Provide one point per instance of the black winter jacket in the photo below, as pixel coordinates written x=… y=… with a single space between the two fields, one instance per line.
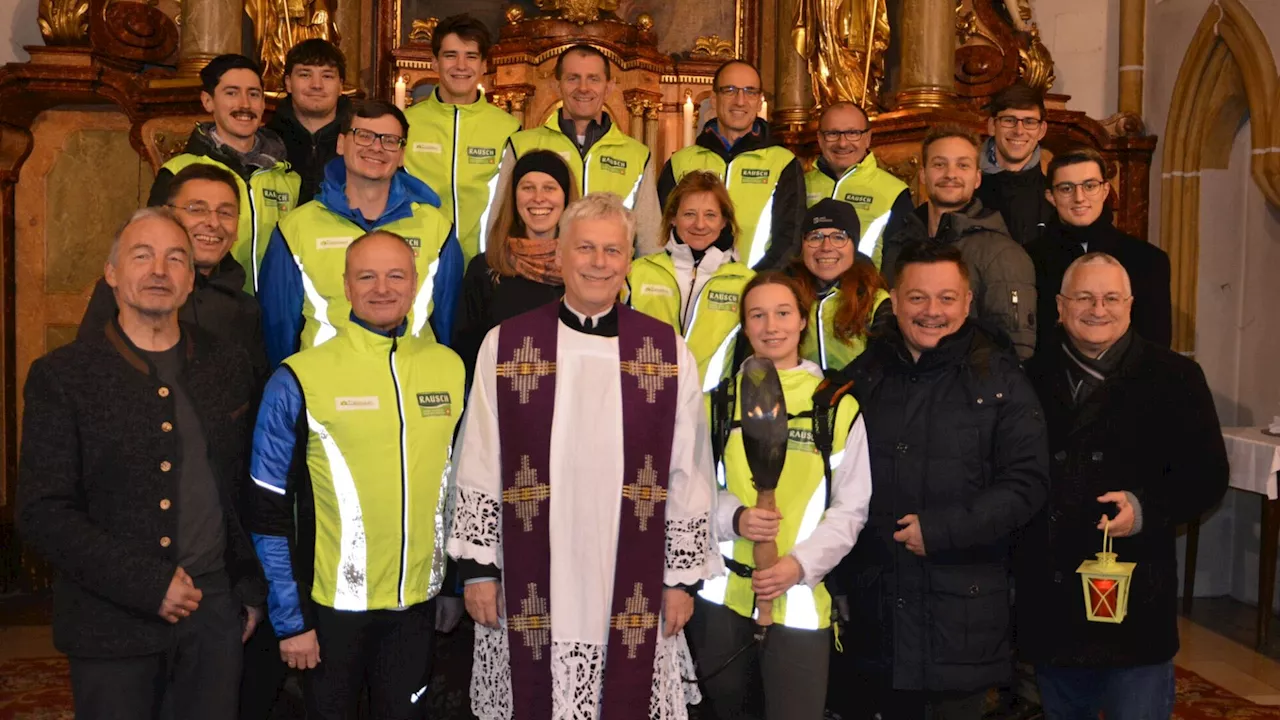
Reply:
x=1147 y=265
x=1150 y=429
x=1017 y=195
x=218 y=304
x=307 y=153
x=95 y=466
x=958 y=439
x=789 y=198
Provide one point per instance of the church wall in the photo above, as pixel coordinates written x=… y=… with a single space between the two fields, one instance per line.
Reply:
x=18 y=28
x=1085 y=60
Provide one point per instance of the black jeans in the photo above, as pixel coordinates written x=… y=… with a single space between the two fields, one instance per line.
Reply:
x=387 y=650
x=785 y=678
x=264 y=674
x=197 y=678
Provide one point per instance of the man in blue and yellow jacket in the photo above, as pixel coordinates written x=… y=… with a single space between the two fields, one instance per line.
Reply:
x=764 y=179
x=364 y=190
x=367 y=420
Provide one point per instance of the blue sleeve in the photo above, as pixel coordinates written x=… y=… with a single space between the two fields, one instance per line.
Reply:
x=280 y=295
x=447 y=289
x=275 y=438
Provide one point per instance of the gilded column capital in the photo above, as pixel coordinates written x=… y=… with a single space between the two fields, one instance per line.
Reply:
x=64 y=22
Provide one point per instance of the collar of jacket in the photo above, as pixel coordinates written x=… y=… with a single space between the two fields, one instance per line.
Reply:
x=595 y=130
x=1100 y=234
x=991 y=164
x=758 y=139
x=365 y=337
x=227 y=277
x=721 y=251
x=136 y=358
x=867 y=164
x=405 y=191
x=971 y=218
x=266 y=144
x=287 y=117
x=480 y=105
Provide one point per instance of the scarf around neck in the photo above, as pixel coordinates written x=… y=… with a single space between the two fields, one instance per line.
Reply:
x=535 y=259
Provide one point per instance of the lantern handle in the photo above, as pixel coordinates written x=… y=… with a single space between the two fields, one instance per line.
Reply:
x=1106 y=536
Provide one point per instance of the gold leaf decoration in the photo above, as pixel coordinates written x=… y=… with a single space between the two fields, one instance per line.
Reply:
x=422 y=31
x=64 y=22
x=1035 y=65
x=713 y=46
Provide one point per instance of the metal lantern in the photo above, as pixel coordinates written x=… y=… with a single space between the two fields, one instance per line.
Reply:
x=1106 y=584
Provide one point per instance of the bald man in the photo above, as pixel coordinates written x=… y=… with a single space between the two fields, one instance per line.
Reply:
x=379 y=407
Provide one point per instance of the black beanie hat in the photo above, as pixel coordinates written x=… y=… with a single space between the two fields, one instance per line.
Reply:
x=543 y=161
x=832 y=213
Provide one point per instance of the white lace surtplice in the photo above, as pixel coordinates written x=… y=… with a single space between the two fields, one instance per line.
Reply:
x=586 y=484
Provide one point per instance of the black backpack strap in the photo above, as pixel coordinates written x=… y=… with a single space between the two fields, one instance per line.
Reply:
x=723 y=404
x=826 y=401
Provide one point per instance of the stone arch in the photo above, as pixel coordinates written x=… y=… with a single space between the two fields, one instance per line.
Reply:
x=1228 y=72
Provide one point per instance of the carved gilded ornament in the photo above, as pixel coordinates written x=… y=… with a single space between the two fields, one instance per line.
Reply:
x=278 y=25
x=168 y=147
x=514 y=14
x=713 y=46
x=844 y=43
x=577 y=11
x=1035 y=65
x=64 y=22
x=422 y=31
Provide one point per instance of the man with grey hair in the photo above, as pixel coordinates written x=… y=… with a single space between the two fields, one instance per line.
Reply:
x=584 y=476
x=134 y=442
x=1135 y=451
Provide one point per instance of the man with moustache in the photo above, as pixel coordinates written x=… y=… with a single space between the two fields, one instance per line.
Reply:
x=237 y=142
x=364 y=425
x=206 y=200
x=456 y=136
x=1136 y=451
x=600 y=155
x=847 y=171
x=134 y=441
x=1078 y=190
x=580 y=567
x=1002 y=276
x=307 y=119
x=1012 y=180
x=958 y=464
x=765 y=180
x=365 y=189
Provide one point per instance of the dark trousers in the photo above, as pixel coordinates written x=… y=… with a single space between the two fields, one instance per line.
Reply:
x=264 y=674
x=389 y=651
x=197 y=678
x=869 y=695
x=785 y=678
x=1144 y=692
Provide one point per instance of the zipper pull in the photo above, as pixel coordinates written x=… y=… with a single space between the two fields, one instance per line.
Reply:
x=1013 y=297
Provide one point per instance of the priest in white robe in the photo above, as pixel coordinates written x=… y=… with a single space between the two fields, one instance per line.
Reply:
x=584 y=493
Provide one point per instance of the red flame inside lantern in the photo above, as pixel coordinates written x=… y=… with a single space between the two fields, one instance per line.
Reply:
x=1101 y=597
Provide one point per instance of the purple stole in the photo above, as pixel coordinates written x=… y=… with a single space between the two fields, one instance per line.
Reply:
x=526 y=382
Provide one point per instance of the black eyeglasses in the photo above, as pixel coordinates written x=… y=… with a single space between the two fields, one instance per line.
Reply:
x=837 y=238
x=1067 y=189
x=835 y=135
x=388 y=141
x=202 y=211
x=731 y=90
x=1009 y=122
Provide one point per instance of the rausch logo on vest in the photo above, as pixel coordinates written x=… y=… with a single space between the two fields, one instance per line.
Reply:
x=753 y=175
x=719 y=300
x=482 y=155
x=281 y=199
x=415 y=243
x=800 y=440
x=613 y=165
x=435 y=404
x=861 y=201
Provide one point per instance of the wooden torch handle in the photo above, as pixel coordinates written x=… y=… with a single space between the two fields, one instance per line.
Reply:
x=765 y=555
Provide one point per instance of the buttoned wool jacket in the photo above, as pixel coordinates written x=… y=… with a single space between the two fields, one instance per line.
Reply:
x=97 y=478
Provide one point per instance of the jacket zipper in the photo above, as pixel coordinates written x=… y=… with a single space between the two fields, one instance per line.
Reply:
x=691 y=305
x=453 y=170
x=404 y=477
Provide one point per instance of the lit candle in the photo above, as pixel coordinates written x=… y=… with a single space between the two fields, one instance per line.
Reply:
x=764 y=109
x=688 y=120
x=401 y=87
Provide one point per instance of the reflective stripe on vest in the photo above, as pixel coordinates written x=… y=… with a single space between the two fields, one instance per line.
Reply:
x=712 y=379
x=870 y=238
x=350 y=589
x=764 y=226
x=492 y=188
x=422 y=301
x=320 y=316
x=822 y=329
x=802 y=608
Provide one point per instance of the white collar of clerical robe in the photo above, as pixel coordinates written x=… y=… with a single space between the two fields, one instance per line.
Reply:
x=582 y=317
